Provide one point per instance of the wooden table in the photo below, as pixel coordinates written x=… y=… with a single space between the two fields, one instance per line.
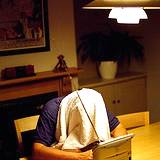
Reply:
x=146 y=142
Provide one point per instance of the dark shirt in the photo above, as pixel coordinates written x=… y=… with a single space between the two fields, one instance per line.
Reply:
x=45 y=130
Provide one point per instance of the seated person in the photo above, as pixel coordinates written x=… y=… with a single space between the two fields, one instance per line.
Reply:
x=45 y=135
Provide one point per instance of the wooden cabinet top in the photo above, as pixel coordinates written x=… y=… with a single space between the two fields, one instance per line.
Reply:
x=40 y=76
x=41 y=83
x=120 y=78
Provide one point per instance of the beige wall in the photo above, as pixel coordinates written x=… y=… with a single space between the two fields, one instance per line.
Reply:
x=96 y=20
x=62 y=40
x=152 y=46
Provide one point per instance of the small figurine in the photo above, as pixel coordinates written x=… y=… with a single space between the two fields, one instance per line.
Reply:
x=61 y=65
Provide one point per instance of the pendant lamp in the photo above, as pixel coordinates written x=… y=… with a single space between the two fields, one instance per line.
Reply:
x=128 y=15
x=125 y=11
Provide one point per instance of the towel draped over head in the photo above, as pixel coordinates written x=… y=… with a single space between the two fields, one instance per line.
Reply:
x=74 y=129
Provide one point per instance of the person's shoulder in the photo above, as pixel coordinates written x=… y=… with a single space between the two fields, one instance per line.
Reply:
x=53 y=104
x=56 y=100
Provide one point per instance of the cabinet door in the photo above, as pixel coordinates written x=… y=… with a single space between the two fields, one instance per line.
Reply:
x=108 y=94
x=66 y=87
x=130 y=96
x=124 y=97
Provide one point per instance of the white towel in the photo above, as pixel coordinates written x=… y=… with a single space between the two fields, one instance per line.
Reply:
x=74 y=130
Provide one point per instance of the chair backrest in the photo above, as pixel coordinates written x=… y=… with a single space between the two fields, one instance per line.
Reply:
x=23 y=125
x=133 y=120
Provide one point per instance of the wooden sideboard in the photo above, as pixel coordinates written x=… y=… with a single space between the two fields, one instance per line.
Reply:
x=25 y=96
x=41 y=83
x=124 y=94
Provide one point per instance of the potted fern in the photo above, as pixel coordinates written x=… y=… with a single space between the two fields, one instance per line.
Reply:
x=114 y=47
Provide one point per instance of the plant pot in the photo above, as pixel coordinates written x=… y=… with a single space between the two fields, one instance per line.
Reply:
x=108 y=69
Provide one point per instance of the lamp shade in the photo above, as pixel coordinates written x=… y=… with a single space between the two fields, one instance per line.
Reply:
x=108 y=4
x=128 y=15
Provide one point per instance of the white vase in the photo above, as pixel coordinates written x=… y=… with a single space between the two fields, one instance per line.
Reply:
x=108 y=69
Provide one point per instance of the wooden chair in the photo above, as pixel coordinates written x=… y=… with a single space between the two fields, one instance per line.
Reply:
x=23 y=125
x=133 y=120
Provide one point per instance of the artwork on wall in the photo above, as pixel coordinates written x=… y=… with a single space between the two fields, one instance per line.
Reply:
x=23 y=26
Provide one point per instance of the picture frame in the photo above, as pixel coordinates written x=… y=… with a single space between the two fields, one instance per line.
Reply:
x=23 y=27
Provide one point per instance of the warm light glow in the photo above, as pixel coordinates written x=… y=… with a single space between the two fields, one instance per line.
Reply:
x=129 y=15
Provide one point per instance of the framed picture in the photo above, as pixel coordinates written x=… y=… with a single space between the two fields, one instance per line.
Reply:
x=23 y=26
